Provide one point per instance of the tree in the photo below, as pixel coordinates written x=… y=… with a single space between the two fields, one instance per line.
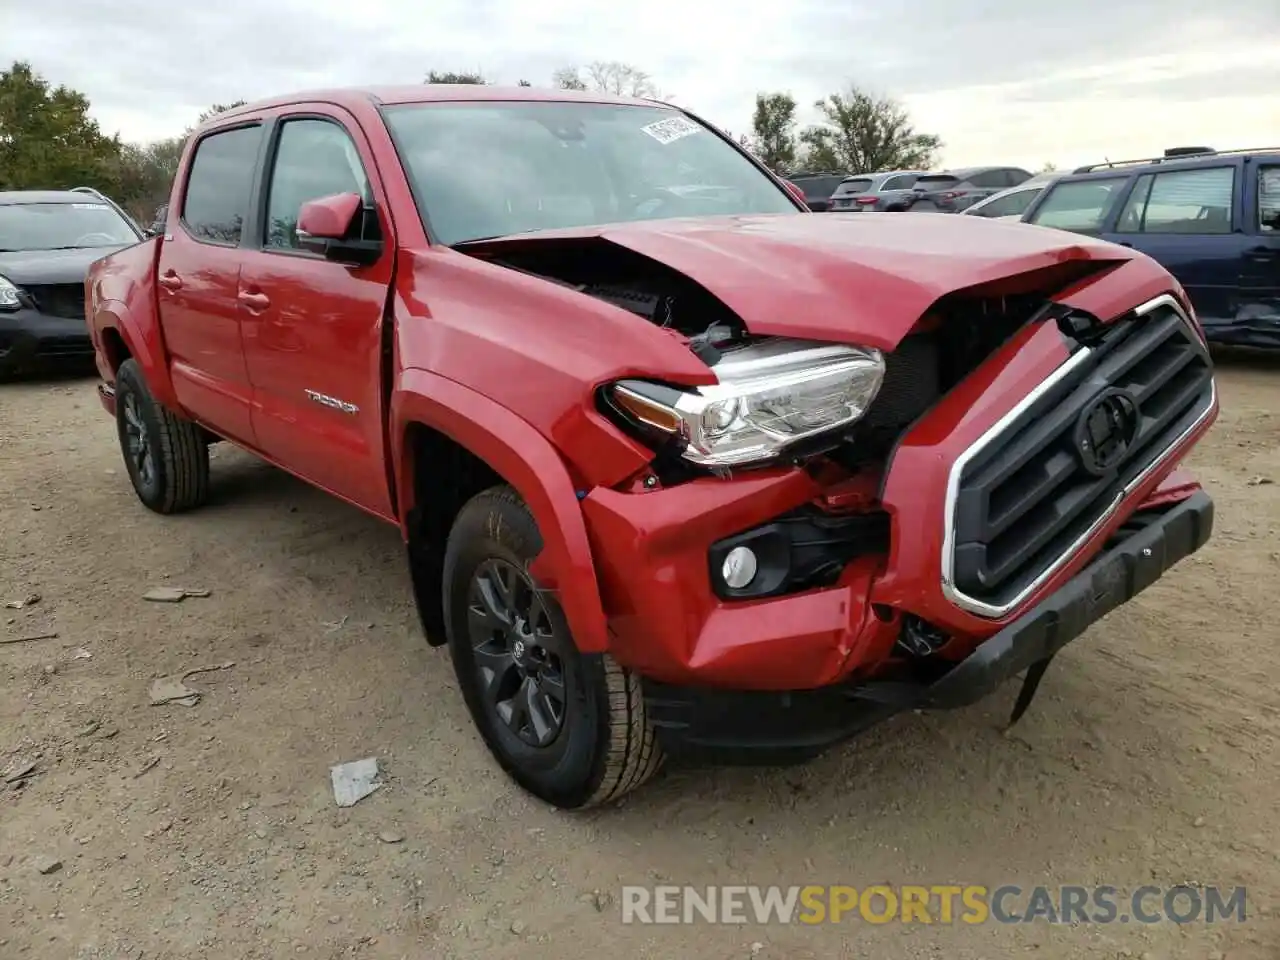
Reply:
x=862 y=134
x=448 y=76
x=773 y=127
x=524 y=83
x=608 y=76
x=47 y=139
x=568 y=78
x=218 y=108
x=1049 y=167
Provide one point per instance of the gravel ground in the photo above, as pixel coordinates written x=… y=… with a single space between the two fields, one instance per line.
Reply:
x=210 y=830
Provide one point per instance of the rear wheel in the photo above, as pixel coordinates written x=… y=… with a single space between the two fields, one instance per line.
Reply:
x=568 y=727
x=166 y=455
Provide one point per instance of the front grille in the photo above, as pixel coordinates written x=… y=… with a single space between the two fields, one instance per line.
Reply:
x=58 y=299
x=1034 y=488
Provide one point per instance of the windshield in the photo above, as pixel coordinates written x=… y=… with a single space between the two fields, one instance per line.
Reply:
x=60 y=226
x=496 y=168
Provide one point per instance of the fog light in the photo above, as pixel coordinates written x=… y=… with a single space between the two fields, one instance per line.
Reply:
x=739 y=567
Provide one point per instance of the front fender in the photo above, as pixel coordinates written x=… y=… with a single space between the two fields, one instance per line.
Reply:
x=527 y=461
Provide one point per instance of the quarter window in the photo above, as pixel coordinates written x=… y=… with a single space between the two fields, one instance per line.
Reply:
x=314 y=159
x=218 y=187
x=1181 y=201
x=1081 y=206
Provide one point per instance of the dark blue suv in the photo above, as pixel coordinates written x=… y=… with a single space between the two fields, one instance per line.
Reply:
x=1212 y=219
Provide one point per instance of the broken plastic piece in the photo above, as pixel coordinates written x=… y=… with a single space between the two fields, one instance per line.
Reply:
x=354 y=781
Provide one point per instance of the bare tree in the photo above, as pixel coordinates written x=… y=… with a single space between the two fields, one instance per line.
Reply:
x=609 y=76
x=862 y=134
x=218 y=108
x=568 y=78
x=773 y=126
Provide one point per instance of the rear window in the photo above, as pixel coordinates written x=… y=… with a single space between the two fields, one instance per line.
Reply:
x=902 y=182
x=819 y=186
x=936 y=181
x=217 y=197
x=1081 y=206
x=851 y=187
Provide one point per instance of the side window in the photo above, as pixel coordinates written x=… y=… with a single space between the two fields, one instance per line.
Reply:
x=1269 y=199
x=217 y=196
x=1081 y=206
x=988 y=179
x=902 y=182
x=1181 y=201
x=314 y=159
x=1010 y=205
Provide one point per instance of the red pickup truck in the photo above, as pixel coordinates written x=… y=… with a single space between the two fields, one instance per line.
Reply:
x=682 y=468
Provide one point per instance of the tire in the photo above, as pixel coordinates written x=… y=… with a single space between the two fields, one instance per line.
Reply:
x=601 y=745
x=166 y=455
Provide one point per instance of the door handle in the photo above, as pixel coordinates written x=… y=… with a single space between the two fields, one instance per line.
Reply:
x=170 y=281
x=254 y=301
x=1263 y=253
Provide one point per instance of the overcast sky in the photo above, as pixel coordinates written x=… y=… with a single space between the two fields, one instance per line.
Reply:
x=1002 y=81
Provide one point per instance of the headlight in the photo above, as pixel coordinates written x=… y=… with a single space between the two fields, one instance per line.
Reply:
x=771 y=394
x=9 y=295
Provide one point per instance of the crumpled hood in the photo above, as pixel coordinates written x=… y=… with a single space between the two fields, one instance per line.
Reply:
x=867 y=277
x=51 y=266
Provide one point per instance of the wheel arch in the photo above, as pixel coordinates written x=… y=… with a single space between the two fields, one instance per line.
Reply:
x=474 y=443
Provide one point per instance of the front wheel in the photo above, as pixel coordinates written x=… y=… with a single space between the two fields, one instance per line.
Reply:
x=166 y=455
x=569 y=728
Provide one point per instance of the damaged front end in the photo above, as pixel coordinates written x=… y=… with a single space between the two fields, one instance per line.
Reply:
x=789 y=532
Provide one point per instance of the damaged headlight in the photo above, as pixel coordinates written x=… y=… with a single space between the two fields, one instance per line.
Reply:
x=770 y=395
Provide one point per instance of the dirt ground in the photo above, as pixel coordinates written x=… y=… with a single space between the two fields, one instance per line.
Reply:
x=210 y=831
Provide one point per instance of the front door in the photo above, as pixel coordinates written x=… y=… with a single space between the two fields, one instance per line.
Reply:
x=313 y=327
x=198 y=276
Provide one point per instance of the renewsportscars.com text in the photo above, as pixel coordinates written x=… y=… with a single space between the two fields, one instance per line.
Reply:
x=941 y=903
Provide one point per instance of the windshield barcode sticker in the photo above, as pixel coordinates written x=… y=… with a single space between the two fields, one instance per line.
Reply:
x=672 y=128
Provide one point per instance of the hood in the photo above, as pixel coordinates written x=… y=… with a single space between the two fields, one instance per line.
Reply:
x=866 y=278
x=51 y=266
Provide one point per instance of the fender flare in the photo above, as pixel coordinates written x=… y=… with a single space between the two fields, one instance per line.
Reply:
x=145 y=346
x=523 y=458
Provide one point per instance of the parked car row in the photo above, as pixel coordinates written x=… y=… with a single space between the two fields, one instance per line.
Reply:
x=893 y=191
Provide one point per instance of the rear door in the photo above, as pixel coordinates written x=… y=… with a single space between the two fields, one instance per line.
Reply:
x=312 y=326
x=199 y=269
x=1187 y=220
x=1260 y=276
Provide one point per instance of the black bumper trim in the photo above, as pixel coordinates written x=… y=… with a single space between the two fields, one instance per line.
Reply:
x=781 y=727
x=30 y=339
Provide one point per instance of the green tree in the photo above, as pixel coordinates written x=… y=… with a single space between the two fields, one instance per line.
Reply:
x=47 y=139
x=862 y=133
x=773 y=129
x=449 y=76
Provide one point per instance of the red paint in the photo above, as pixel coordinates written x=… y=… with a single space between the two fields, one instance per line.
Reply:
x=329 y=218
x=508 y=366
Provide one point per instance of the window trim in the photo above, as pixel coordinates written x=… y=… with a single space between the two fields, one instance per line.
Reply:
x=263 y=126
x=262 y=198
x=1154 y=176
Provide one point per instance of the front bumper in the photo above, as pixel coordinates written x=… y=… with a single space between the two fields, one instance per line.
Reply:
x=784 y=726
x=31 y=340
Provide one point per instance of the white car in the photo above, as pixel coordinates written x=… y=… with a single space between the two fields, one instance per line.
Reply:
x=1011 y=204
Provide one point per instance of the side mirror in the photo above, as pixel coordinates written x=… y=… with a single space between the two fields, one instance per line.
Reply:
x=326 y=225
